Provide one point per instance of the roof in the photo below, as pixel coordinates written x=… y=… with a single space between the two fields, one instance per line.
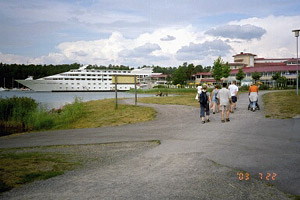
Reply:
x=244 y=54
x=159 y=76
x=271 y=68
x=203 y=73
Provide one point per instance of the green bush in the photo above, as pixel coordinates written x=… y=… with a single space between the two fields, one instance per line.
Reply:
x=16 y=108
x=41 y=119
x=263 y=87
x=72 y=111
x=244 y=88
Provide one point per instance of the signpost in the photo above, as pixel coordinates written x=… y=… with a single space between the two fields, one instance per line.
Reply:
x=124 y=79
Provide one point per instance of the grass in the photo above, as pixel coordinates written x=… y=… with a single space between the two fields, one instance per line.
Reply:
x=166 y=90
x=17 y=168
x=102 y=113
x=281 y=105
x=187 y=99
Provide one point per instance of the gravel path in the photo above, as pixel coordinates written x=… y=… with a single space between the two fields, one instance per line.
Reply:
x=194 y=160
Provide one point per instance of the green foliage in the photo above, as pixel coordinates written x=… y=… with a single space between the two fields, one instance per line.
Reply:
x=16 y=108
x=256 y=75
x=244 y=88
x=281 y=82
x=240 y=75
x=71 y=112
x=220 y=69
x=179 y=76
x=226 y=70
x=276 y=76
x=41 y=119
x=13 y=72
x=25 y=111
x=263 y=87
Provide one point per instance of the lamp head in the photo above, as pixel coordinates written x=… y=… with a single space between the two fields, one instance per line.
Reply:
x=296 y=32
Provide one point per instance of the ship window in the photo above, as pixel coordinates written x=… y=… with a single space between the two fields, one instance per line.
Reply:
x=88 y=79
x=60 y=83
x=83 y=79
x=60 y=87
x=105 y=84
x=94 y=87
x=88 y=75
x=77 y=79
x=66 y=83
x=89 y=88
x=109 y=71
x=54 y=78
x=105 y=87
x=72 y=88
x=66 y=79
x=99 y=79
x=78 y=83
x=93 y=79
x=109 y=79
x=124 y=71
x=93 y=74
x=89 y=84
x=114 y=71
x=119 y=71
x=72 y=83
x=77 y=87
x=94 y=83
x=66 y=88
x=99 y=83
x=82 y=74
x=105 y=75
x=105 y=79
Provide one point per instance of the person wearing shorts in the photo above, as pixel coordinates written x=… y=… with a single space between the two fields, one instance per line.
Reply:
x=234 y=93
x=225 y=100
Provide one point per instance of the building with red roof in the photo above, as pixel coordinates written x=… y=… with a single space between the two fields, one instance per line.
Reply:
x=249 y=64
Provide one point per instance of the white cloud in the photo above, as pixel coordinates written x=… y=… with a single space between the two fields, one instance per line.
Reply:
x=277 y=42
x=186 y=43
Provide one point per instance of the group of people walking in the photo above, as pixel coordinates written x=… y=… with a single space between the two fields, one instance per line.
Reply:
x=220 y=99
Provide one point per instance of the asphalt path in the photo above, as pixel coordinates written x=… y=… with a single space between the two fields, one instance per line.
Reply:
x=193 y=161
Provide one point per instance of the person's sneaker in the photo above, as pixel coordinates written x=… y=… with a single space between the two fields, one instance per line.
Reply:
x=203 y=122
x=214 y=112
x=231 y=111
x=234 y=108
x=208 y=120
x=227 y=120
x=223 y=121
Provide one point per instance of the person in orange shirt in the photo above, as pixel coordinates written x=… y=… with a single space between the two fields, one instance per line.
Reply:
x=253 y=97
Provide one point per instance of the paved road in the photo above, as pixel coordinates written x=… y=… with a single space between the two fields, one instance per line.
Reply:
x=194 y=160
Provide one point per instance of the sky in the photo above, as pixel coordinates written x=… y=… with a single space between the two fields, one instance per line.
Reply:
x=149 y=32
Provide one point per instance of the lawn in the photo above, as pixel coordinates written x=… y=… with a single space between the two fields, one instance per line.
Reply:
x=187 y=99
x=281 y=105
x=102 y=113
x=17 y=168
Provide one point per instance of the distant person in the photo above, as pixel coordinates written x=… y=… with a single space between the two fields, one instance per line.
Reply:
x=224 y=97
x=215 y=101
x=234 y=94
x=199 y=89
x=204 y=99
x=253 y=97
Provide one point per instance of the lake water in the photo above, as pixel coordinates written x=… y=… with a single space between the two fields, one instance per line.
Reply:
x=57 y=99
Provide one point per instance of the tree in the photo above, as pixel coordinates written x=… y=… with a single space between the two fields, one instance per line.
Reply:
x=226 y=70
x=179 y=76
x=220 y=69
x=281 y=82
x=256 y=76
x=240 y=75
x=275 y=77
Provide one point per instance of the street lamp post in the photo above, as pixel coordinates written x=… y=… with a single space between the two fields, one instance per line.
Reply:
x=297 y=78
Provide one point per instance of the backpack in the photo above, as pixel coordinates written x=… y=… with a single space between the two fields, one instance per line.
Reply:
x=203 y=98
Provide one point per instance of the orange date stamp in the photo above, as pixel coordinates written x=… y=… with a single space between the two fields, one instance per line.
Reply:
x=267 y=176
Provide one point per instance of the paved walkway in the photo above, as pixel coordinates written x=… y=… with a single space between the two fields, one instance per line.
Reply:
x=194 y=160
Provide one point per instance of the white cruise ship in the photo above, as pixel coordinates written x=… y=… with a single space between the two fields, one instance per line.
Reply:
x=81 y=79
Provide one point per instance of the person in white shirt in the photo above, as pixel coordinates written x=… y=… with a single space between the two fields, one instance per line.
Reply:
x=234 y=95
x=225 y=100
